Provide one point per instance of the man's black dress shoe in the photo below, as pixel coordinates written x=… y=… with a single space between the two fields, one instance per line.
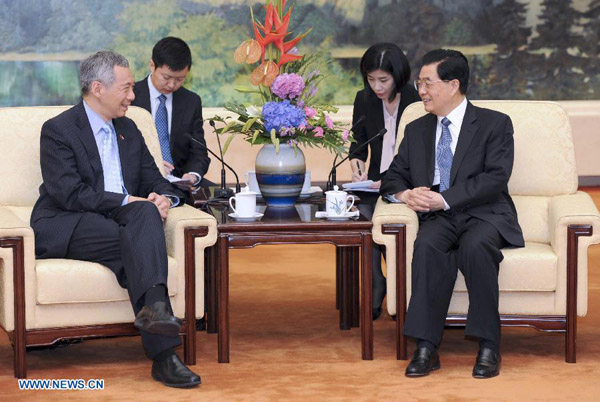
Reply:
x=423 y=362
x=157 y=320
x=173 y=373
x=487 y=364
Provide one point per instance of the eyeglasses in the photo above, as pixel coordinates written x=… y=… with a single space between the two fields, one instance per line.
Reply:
x=427 y=83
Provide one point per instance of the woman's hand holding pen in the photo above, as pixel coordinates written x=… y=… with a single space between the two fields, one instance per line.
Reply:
x=359 y=172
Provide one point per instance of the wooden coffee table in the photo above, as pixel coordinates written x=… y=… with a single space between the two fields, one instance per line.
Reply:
x=296 y=225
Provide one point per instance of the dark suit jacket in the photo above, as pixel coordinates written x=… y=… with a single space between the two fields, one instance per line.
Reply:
x=371 y=106
x=188 y=156
x=481 y=167
x=73 y=181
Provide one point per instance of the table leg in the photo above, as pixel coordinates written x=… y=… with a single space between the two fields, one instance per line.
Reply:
x=338 y=277
x=211 y=292
x=223 y=298
x=355 y=294
x=366 y=327
x=345 y=302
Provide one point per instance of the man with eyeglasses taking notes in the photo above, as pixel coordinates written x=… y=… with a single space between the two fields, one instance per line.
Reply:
x=176 y=111
x=452 y=168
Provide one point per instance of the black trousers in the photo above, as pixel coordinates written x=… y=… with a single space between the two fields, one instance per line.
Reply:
x=446 y=242
x=131 y=242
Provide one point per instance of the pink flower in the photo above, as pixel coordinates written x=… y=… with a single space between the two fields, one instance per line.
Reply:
x=310 y=112
x=345 y=135
x=318 y=132
x=328 y=122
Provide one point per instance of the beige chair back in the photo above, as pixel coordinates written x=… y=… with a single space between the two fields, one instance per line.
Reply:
x=544 y=154
x=20 y=130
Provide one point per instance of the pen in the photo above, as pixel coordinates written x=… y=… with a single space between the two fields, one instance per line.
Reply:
x=358 y=166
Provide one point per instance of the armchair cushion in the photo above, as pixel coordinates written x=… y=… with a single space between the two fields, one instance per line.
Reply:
x=84 y=282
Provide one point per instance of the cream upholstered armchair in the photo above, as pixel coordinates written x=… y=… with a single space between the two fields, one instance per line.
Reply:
x=543 y=285
x=42 y=301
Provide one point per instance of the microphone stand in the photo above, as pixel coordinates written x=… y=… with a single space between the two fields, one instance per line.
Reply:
x=332 y=173
x=223 y=192
x=237 y=179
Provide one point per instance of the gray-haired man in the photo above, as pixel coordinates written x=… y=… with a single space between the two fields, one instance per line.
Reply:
x=103 y=199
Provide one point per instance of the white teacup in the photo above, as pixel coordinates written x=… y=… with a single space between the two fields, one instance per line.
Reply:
x=250 y=179
x=306 y=185
x=245 y=203
x=336 y=203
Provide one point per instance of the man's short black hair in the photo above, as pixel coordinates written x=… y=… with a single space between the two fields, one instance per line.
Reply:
x=453 y=65
x=389 y=58
x=172 y=52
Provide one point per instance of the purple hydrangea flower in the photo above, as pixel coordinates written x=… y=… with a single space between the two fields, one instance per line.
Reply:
x=280 y=115
x=288 y=86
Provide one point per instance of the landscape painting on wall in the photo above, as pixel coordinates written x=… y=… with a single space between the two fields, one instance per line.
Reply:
x=517 y=49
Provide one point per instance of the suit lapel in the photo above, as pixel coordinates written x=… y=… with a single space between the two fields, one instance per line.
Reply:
x=86 y=136
x=175 y=118
x=122 y=142
x=429 y=146
x=143 y=94
x=467 y=132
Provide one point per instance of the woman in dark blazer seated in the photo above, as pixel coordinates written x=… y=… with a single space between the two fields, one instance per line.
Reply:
x=387 y=92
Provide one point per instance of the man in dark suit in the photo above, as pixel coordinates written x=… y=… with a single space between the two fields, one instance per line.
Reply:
x=176 y=110
x=452 y=168
x=104 y=200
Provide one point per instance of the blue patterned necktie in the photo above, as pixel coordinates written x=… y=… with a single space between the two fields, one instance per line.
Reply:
x=444 y=155
x=111 y=166
x=162 y=127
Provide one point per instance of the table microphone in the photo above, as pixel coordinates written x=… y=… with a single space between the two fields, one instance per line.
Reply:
x=333 y=172
x=223 y=192
x=361 y=146
x=237 y=180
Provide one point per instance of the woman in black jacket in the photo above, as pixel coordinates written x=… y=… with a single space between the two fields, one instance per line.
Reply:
x=387 y=92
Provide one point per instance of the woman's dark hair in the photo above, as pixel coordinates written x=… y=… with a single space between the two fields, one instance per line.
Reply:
x=453 y=65
x=172 y=52
x=389 y=58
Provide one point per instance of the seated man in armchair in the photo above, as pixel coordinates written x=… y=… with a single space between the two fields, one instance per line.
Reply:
x=104 y=200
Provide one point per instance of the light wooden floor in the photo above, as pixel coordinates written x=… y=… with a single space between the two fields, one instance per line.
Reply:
x=285 y=345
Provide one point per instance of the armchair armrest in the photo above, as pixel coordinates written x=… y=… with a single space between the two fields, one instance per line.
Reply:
x=388 y=213
x=572 y=209
x=17 y=252
x=184 y=217
x=178 y=246
x=385 y=214
x=564 y=211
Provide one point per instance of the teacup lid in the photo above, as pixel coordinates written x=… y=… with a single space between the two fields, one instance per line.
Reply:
x=246 y=191
x=336 y=189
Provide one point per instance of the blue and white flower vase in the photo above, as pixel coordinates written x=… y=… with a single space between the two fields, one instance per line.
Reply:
x=280 y=176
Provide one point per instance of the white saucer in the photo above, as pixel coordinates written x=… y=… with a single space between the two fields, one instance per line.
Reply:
x=346 y=216
x=256 y=217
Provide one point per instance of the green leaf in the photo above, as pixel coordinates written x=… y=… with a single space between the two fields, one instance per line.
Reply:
x=275 y=140
x=249 y=123
x=226 y=146
x=256 y=133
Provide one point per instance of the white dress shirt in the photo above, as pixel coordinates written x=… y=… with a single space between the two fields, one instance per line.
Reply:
x=389 y=138
x=155 y=102
x=456 y=118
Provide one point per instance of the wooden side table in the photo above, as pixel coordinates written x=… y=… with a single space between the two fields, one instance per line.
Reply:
x=296 y=225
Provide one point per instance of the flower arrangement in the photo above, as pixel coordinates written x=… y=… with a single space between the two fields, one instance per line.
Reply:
x=287 y=85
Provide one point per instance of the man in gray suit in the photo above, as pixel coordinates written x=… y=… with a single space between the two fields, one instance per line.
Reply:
x=104 y=200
